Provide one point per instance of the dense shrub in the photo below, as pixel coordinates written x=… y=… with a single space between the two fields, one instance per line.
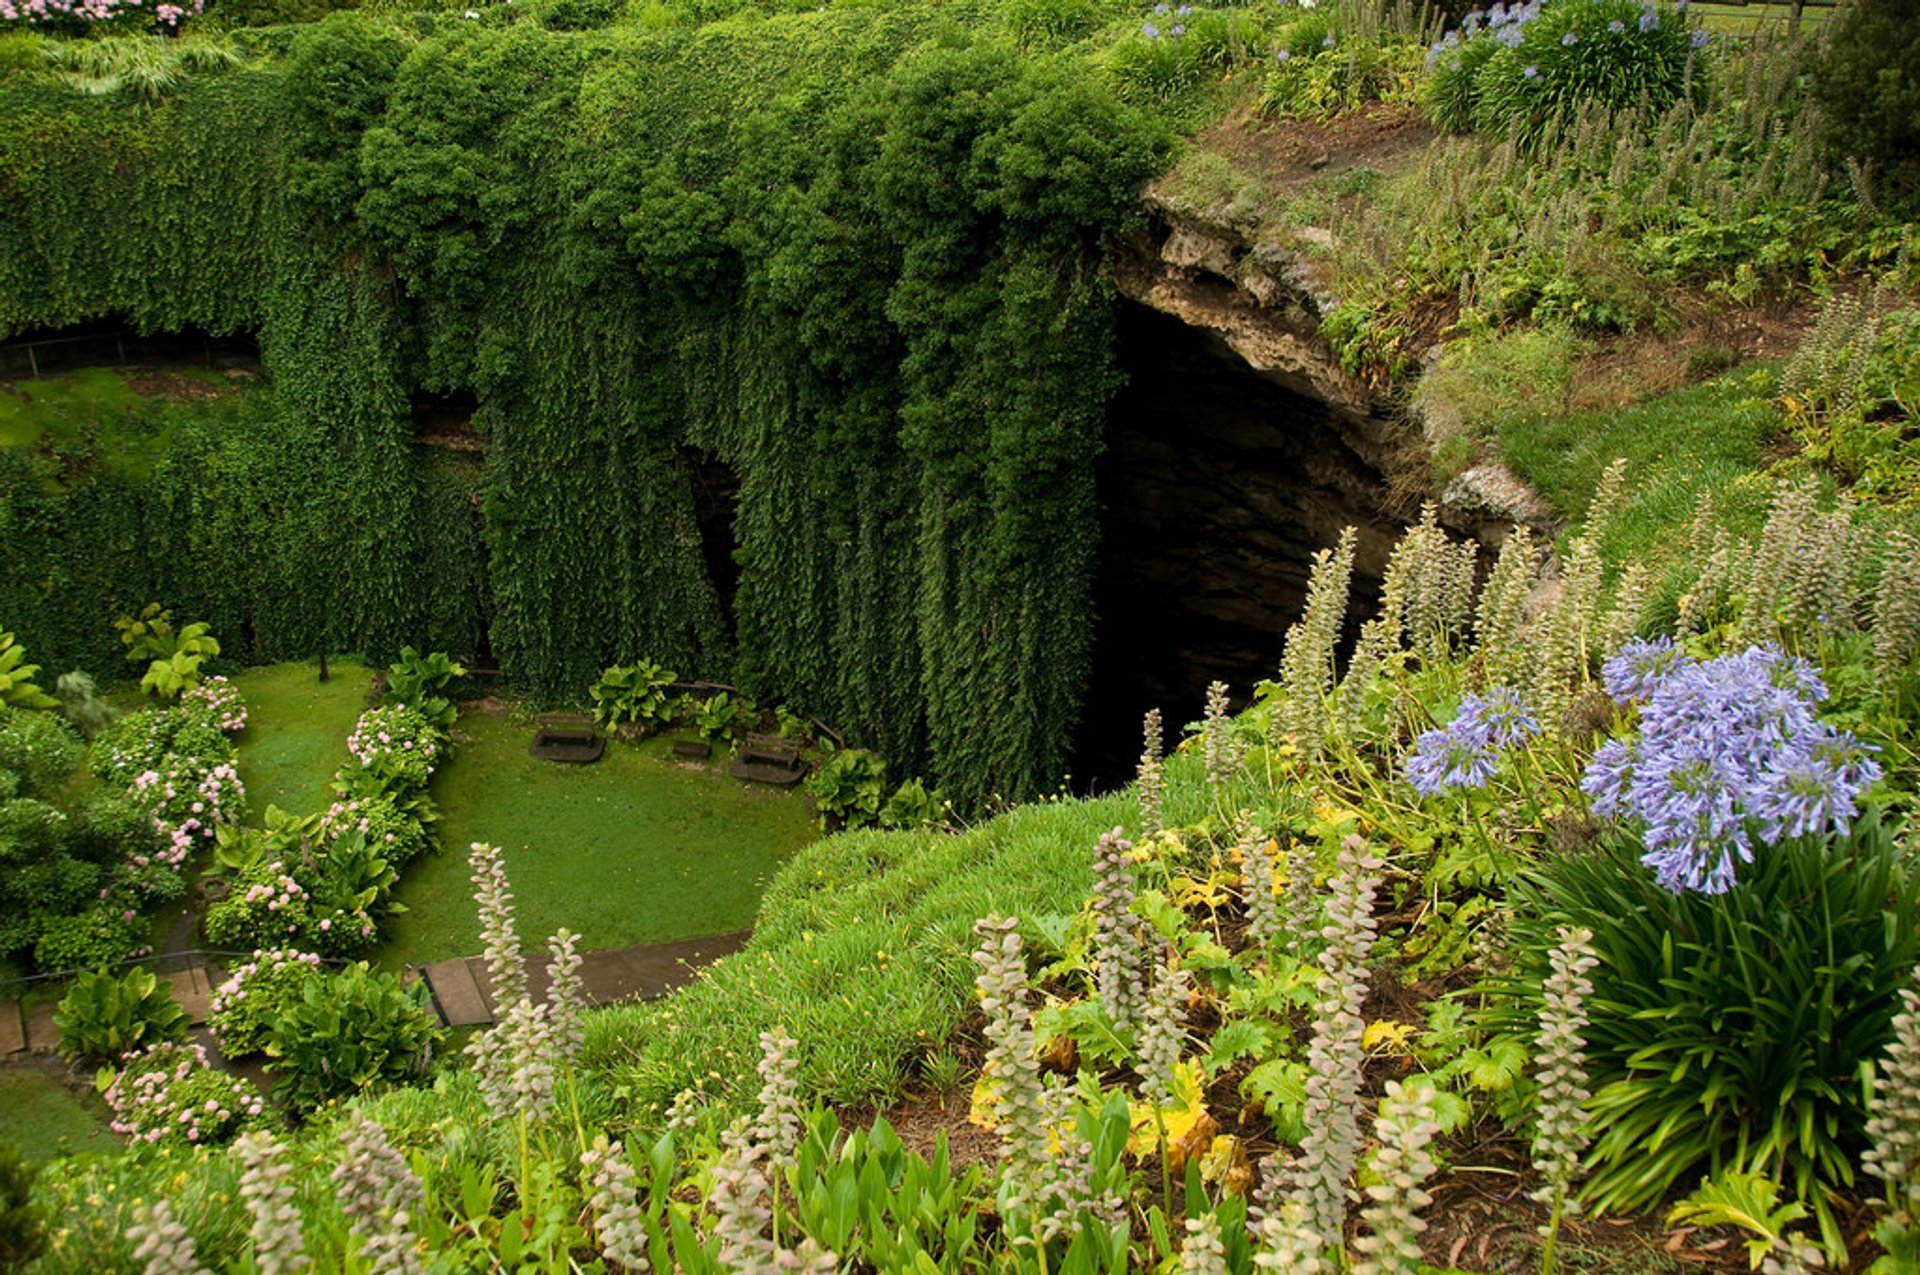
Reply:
x=104 y=1015
x=39 y=748
x=1515 y=69
x=1866 y=79
x=1728 y=1031
x=101 y=935
x=168 y=1092
x=849 y=789
x=245 y=1006
x=350 y=1032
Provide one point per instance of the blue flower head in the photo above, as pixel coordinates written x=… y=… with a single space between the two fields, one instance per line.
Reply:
x=1699 y=39
x=1639 y=667
x=1328 y=42
x=1617 y=27
x=1570 y=39
x=1464 y=754
x=1149 y=30
x=1532 y=72
x=1649 y=20
x=1729 y=750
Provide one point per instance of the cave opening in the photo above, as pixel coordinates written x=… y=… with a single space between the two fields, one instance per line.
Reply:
x=716 y=506
x=1217 y=487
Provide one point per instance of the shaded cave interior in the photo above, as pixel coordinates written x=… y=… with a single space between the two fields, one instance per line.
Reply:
x=1217 y=485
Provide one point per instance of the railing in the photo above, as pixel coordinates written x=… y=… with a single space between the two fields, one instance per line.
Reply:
x=113 y=349
x=160 y=962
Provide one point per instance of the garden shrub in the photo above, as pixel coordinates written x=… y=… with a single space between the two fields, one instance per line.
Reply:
x=23 y=1223
x=1866 y=80
x=169 y=1093
x=265 y=907
x=104 y=1015
x=348 y=1033
x=245 y=1006
x=637 y=693
x=1324 y=66
x=1727 y=1032
x=102 y=935
x=401 y=836
x=1525 y=66
x=39 y=748
x=848 y=789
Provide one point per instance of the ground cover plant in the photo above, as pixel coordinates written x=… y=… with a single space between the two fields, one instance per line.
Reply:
x=1597 y=840
x=1587 y=869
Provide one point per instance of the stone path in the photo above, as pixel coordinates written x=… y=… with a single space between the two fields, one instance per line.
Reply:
x=463 y=993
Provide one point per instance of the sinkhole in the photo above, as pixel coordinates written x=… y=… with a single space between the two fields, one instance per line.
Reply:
x=1217 y=487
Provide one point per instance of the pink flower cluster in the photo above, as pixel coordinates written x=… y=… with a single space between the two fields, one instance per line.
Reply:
x=270 y=961
x=52 y=12
x=185 y=808
x=398 y=730
x=217 y=698
x=171 y=1092
x=282 y=892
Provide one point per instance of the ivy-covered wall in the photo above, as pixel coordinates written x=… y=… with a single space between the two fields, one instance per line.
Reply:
x=855 y=255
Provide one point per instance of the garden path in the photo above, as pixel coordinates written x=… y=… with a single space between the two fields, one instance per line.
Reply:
x=463 y=993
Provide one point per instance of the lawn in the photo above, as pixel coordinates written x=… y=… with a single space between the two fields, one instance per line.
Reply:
x=44 y=1118
x=296 y=736
x=635 y=848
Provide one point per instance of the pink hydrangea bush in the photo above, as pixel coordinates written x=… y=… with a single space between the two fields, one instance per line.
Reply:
x=245 y=1006
x=215 y=698
x=97 y=14
x=169 y=1093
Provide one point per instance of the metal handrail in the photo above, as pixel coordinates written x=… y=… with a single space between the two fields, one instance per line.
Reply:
x=186 y=956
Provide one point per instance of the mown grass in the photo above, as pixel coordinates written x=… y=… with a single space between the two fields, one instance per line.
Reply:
x=45 y=1119
x=634 y=848
x=297 y=728
x=862 y=953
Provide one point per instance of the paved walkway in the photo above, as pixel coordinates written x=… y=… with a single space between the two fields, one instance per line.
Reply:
x=463 y=993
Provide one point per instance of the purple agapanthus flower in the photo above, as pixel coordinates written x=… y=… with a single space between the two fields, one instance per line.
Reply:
x=1699 y=39
x=1570 y=39
x=1729 y=751
x=1465 y=753
x=1638 y=668
x=1649 y=20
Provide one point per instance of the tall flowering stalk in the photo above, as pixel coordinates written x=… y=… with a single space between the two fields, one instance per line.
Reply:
x=1163 y=1034
x=266 y=1184
x=1391 y=1220
x=1893 y=1124
x=1045 y=1167
x=741 y=1199
x=1560 y=1135
x=1306 y=661
x=379 y=1195
x=1150 y=785
x=160 y=1244
x=1118 y=944
x=613 y=1198
x=1303 y=904
x=1565 y=635
x=1204 y=1253
x=778 y=1126
x=1223 y=752
x=1896 y=610
x=1257 y=888
x=566 y=996
x=1501 y=613
x=1335 y=1055
x=499 y=939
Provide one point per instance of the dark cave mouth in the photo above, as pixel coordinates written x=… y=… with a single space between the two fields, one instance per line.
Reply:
x=1217 y=487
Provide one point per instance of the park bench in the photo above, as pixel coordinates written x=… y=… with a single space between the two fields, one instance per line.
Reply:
x=769 y=759
x=566 y=737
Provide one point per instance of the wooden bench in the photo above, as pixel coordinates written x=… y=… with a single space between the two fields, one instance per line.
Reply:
x=769 y=759
x=566 y=737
